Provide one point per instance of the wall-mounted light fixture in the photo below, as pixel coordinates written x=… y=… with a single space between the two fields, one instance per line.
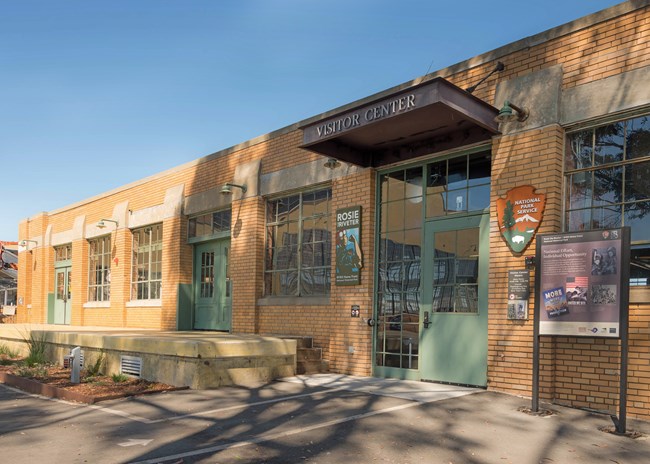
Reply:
x=332 y=163
x=226 y=189
x=25 y=243
x=102 y=223
x=506 y=113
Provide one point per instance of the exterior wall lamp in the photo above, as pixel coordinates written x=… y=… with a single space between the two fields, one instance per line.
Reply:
x=102 y=223
x=226 y=189
x=506 y=113
x=332 y=163
x=25 y=243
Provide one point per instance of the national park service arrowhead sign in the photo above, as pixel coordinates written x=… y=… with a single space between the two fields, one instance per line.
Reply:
x=519 y=215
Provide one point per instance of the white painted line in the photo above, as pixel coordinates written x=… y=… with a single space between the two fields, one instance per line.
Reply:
x=275 y=436
x=144 y=420
x=81 y=405
x=247 y=405
x=135 y=442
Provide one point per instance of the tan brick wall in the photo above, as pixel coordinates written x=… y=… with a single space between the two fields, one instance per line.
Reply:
x=247 y=263
x=331 y=326
x=532 y=158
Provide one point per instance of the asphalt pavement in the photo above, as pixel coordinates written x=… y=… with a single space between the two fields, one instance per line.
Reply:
x=325 y=418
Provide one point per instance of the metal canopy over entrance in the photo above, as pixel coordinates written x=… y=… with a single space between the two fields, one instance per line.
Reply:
x=422 y=119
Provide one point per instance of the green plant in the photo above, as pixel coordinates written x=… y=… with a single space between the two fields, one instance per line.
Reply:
x=119 y=378
x=95 y=368
x=8 y=352
x=32 y=372
x=37 y=345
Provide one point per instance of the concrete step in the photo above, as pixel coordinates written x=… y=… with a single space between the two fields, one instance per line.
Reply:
x=312 y=367
x=309 y=354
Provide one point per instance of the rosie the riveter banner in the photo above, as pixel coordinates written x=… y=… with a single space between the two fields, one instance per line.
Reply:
x=349 y=260
x=580 y=282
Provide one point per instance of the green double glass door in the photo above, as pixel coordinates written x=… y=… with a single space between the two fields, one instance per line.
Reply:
x=212 y=286
x=62 y=295
x=453 y=314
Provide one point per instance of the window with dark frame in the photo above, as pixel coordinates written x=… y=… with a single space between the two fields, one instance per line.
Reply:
x=146 y=276
x=607 y=179
x=209 y=224
x=99 y=269
x=298 y=244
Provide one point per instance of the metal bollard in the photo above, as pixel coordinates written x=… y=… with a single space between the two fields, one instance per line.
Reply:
x=75 y=376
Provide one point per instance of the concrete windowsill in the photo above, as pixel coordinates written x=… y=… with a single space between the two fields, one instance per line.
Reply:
x=144 y=304
x=97 y=304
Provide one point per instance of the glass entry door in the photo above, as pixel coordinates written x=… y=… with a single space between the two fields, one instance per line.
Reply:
x=62 y=295
x=453 y=337
x=212 y=286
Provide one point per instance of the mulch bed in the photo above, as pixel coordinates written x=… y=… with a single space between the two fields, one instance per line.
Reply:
x=56 y=384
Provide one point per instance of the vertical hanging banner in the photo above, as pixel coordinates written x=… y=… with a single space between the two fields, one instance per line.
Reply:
x=583 y=284
x=349 y=259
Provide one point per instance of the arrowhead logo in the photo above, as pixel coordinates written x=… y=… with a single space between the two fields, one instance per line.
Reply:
x=519 y=215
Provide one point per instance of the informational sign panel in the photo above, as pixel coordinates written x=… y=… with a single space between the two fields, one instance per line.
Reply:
x=583 y=284
x=349 y=259
x=518 y=293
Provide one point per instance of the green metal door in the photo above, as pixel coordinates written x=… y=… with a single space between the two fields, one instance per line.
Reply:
x=453 y=340
x=62 y=295
x=212 y=288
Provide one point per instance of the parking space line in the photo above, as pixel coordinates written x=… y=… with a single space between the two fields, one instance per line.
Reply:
x=242 y=406
x=115 y=412
x=143 y=420
x=275 y=436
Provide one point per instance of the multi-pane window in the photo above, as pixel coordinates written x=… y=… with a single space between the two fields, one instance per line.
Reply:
x=99 y=269
x=209 y=224
x=398 y=297
x=607 y=174
x=458 y=185
x=298 y=244
x=63 y=252
x=146 y=277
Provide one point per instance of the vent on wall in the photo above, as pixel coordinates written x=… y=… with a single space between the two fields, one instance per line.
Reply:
x=131 y=365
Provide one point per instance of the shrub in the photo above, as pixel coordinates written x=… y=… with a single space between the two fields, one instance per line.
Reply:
x=119 y=378
x=37 y=345
x=95 y=368
x=32 y=372
x=8 y=352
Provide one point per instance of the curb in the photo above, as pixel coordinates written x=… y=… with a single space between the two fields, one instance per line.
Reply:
x=50 y=391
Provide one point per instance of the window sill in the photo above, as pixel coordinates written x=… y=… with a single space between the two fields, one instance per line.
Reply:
x=144 y=303
x=294 y=301
x=97 y=304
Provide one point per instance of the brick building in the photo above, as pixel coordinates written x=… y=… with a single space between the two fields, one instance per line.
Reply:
x=374 y=227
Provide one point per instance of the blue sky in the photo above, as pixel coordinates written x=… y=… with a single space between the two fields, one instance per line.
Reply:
x=98 y=94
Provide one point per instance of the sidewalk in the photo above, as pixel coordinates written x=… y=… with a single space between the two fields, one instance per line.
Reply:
x=317 y=419
x=467 y=425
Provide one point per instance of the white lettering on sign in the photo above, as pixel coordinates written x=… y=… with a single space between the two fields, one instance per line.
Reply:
x=374 y=113
x=347 y=218
x=527 y=205
x=553 y=294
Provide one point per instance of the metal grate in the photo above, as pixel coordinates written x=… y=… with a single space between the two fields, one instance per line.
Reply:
x=131 y=365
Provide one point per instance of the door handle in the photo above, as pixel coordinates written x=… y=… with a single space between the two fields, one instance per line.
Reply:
x=426 y=321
